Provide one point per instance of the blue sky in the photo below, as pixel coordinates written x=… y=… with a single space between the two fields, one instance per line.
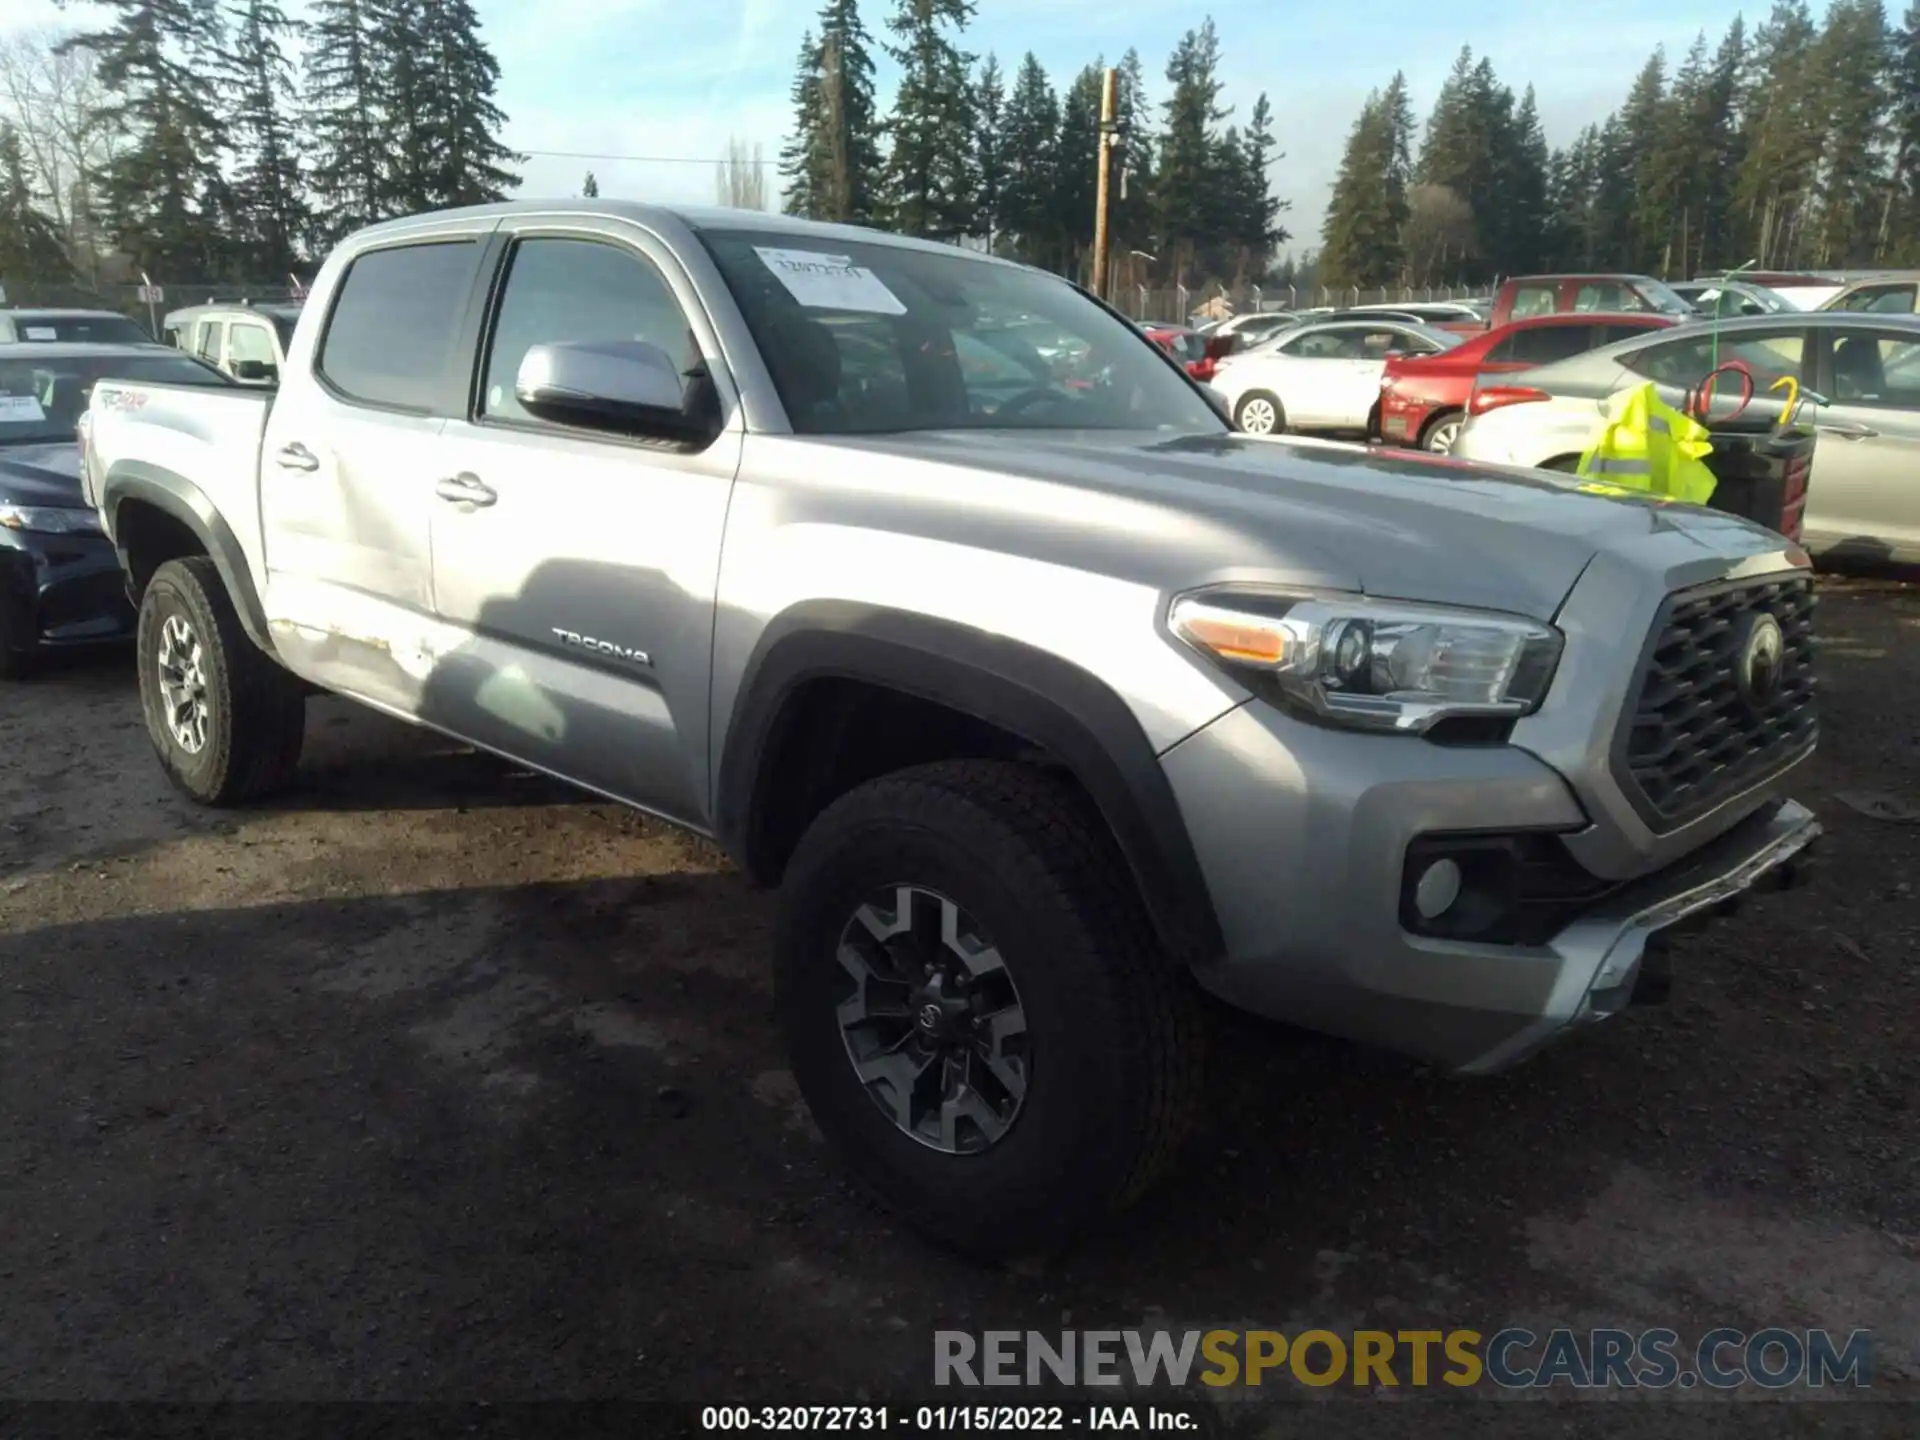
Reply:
x=670 y=78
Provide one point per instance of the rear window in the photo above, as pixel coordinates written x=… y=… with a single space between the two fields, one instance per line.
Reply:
x=392 y=331
x=79 y=329
x=1543 y=344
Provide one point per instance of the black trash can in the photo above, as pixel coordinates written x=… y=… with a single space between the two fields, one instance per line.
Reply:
x=1762 y=473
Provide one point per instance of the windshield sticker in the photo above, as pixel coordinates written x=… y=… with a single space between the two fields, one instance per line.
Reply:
x=42 y=332
x=20 y=410
x=830 y=282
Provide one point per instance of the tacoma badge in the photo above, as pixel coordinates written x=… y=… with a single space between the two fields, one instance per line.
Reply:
x=603 y=647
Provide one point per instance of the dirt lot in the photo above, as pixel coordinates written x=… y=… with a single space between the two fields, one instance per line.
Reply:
x=439 y=1081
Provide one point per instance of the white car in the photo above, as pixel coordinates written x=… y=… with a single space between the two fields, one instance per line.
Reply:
x=1320 y=376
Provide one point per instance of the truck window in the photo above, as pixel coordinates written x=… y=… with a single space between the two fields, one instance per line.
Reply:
x=1880 y=300
x=1609 y=296
x=251 y=342
x=562 y=291
x=211 y=334
x=394 y=322
x=1534 y=300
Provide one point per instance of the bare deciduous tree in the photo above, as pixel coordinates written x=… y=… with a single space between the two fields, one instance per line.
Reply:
x=51 y=98
x=741 y=180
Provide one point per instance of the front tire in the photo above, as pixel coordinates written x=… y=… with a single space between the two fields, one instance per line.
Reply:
x=1260 y=413
x=16 y=638
x=976 y=1009
x=225 y=719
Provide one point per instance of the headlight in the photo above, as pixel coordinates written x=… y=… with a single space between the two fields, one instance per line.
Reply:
x=48 y=521
x=1373 y=664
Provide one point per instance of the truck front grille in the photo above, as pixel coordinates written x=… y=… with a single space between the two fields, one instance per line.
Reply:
x=1699 y=729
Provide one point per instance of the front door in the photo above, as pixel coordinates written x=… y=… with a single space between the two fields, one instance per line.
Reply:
x=577 y=567
x=1864 y=494
x=348 y=465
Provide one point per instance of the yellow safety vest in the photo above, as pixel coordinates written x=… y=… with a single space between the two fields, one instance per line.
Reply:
x=1648 y=447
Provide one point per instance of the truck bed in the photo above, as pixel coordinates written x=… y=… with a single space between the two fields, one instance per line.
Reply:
x=207 y=437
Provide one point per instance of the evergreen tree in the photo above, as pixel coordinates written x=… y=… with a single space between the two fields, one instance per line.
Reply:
x=1362 y=235
x=1904 y=87
x=1130 y=212
x=849 y=129
x=802 y=158
x=1782 y=133
x=1077 y=169
x=154 y=193
x=1645 y=137
x=1187 y=185
x=590 y=187
x=1030 y=147
x=1523 y=182
x=30 y=248
x=466 y=163
x=989 y=164
x=930 y=188
x=1455 y=157
x=344 y=120
x=1855 y=199
x=398 y=43
x=1259 y=228
x=268 y=190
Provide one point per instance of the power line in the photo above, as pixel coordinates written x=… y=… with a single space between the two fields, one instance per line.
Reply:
x=648 y=159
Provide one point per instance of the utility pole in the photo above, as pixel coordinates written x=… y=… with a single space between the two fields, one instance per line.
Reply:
x=1109 y=133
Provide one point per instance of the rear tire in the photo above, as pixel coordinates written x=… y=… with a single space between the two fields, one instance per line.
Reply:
x=1441 y=432
x=225 y=719
x=1259 y=412
x=1001 y=861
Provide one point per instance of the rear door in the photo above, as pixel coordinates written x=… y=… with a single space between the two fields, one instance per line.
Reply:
x=577 y=567
x=1308 y=373
x=1864 y=493
x=350 y=459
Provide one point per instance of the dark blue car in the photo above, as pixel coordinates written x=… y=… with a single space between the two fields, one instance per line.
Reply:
x=60 y=582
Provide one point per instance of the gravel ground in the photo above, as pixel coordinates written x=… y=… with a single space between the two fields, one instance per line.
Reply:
x=438 y=1081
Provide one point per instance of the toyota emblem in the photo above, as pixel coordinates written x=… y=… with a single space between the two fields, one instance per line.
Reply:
x=1759 y=660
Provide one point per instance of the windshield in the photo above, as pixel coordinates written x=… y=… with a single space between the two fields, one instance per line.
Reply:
x=871 y=338
x=1663 y=297
x=78 y=329
x=42 y=400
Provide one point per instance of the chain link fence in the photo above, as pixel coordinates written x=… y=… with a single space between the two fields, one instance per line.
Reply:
x=1180 y=304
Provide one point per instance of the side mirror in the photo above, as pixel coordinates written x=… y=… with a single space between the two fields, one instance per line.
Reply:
x=255 y=372
x=624 y=385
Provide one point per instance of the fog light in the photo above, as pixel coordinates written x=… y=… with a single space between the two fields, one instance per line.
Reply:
x=1436 y=889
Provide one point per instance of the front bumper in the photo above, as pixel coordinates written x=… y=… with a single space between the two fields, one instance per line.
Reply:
x=1303 y=833
x=70 y=587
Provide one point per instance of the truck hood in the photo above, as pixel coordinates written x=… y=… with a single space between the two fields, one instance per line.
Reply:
x=1402 y=525
x=44 y=475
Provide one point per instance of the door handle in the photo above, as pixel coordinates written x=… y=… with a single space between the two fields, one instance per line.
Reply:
x=466 y=488
x=296 y=456
x=1846 y=430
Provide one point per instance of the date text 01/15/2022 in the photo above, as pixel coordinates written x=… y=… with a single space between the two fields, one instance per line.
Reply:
x=937 y=1419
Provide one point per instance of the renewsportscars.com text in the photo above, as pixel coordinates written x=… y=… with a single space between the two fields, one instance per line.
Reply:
x=1512 y=1358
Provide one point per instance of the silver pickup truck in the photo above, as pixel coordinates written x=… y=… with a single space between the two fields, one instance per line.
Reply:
x=943 y=600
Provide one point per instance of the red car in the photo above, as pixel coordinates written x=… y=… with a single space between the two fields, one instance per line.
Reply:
x=1423 y=398
x=1185 y=344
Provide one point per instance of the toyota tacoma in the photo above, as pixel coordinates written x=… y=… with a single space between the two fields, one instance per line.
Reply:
x=1046 y=701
